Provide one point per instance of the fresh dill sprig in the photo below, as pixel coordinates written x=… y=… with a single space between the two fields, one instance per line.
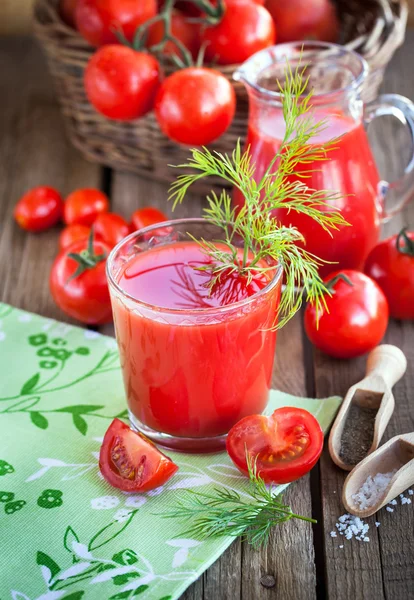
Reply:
x=264 y=237
x=224 y=512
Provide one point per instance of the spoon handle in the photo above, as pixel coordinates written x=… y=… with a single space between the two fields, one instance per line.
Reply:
x=388 y=362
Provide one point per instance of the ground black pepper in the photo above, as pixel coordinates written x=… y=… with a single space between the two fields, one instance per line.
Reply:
x=358 y=434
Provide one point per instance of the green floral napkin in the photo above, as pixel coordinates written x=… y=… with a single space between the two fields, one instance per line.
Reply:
x=64 y=532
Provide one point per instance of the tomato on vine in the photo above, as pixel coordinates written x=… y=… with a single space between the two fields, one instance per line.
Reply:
x=355 y=318
x=391 y=265
x=78 y=282
x=187 y=32
x=304 y=20
x=195 y=106
x=98 y=20
x=245 y=28
x=38 y=209
x=121 y=83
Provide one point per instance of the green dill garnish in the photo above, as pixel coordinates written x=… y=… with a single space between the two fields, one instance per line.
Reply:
x=264 y=237
x=225 y=512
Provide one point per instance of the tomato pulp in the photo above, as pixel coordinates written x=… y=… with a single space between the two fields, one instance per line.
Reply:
x=194 y=362
x=349 y=169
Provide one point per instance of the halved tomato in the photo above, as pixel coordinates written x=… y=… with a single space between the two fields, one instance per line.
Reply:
x=285 y=445
x=130 y=462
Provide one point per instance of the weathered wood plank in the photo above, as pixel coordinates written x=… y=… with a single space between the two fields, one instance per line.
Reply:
x=382 y=568
x=34 y=151
x=289 y=557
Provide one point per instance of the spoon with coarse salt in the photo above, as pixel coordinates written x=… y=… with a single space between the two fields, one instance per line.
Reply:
x=380 y=477
x=367 y=408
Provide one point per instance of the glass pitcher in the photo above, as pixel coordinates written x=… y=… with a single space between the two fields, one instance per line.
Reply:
x=336 y=76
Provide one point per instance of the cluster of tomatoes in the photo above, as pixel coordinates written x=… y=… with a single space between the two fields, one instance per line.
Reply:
x=356 y=315
x=196 y=104
x=77 y=278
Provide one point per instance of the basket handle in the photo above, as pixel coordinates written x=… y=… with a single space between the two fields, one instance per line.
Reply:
x=402 y=109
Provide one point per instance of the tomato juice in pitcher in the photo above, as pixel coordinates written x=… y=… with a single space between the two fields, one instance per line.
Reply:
x=336 y=76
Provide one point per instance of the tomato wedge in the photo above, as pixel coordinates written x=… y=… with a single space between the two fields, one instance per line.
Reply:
x=285 y=445
x=130 y=462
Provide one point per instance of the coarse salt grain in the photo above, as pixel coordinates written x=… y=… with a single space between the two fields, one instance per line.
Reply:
x=370 y=492
x=350 y=526
x=372 y=489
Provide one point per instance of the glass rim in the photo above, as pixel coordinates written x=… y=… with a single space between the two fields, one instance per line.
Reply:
x=181 y=311
x=241 y=74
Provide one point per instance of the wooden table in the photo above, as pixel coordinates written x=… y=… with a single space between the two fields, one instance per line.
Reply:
x=304 y=562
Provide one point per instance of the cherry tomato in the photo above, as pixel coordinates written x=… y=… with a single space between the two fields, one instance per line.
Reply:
x=73 y=233
x=84 y=205
x=192 y=10
x=304 y=20
x=186 y=32
x=121 y=83
x=111 y=228
x=391 y=265
x=130 y=462
x=356 y=317
x=67 y=11
x=244 y=29
x=85 y=296
x=195 y=106
x=39 y=208
x=97 y=20
x=144 y=217
x=285 y=445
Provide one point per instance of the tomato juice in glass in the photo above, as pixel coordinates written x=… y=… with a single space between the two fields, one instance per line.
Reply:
x=336 y=76
x=194 y=360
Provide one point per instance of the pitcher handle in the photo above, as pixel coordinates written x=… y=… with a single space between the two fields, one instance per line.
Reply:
x=402 y=109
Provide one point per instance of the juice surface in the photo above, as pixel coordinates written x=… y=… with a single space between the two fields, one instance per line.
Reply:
x=349 y=169
x=193 y=374
x=172 y=277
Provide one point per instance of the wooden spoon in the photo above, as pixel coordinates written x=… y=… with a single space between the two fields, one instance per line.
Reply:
x=397 y=453
x=385 y=366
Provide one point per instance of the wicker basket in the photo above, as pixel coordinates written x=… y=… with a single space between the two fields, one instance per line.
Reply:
x=375 y=28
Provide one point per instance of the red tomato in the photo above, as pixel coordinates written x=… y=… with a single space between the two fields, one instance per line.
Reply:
x=85 y=296
x=195 y=106
x=96 y=20
x=83 y=206
x=39 y=208
x=244 y=29
x=391 y=265
x=186 y=32
x=130 y=462
x=111 y=228
x=356 y=317
x=144 y=217
x=121 y=83
x=73 y=233
x=67 y=11
x=285 y=445
x=192 y=10
x=304 y=20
